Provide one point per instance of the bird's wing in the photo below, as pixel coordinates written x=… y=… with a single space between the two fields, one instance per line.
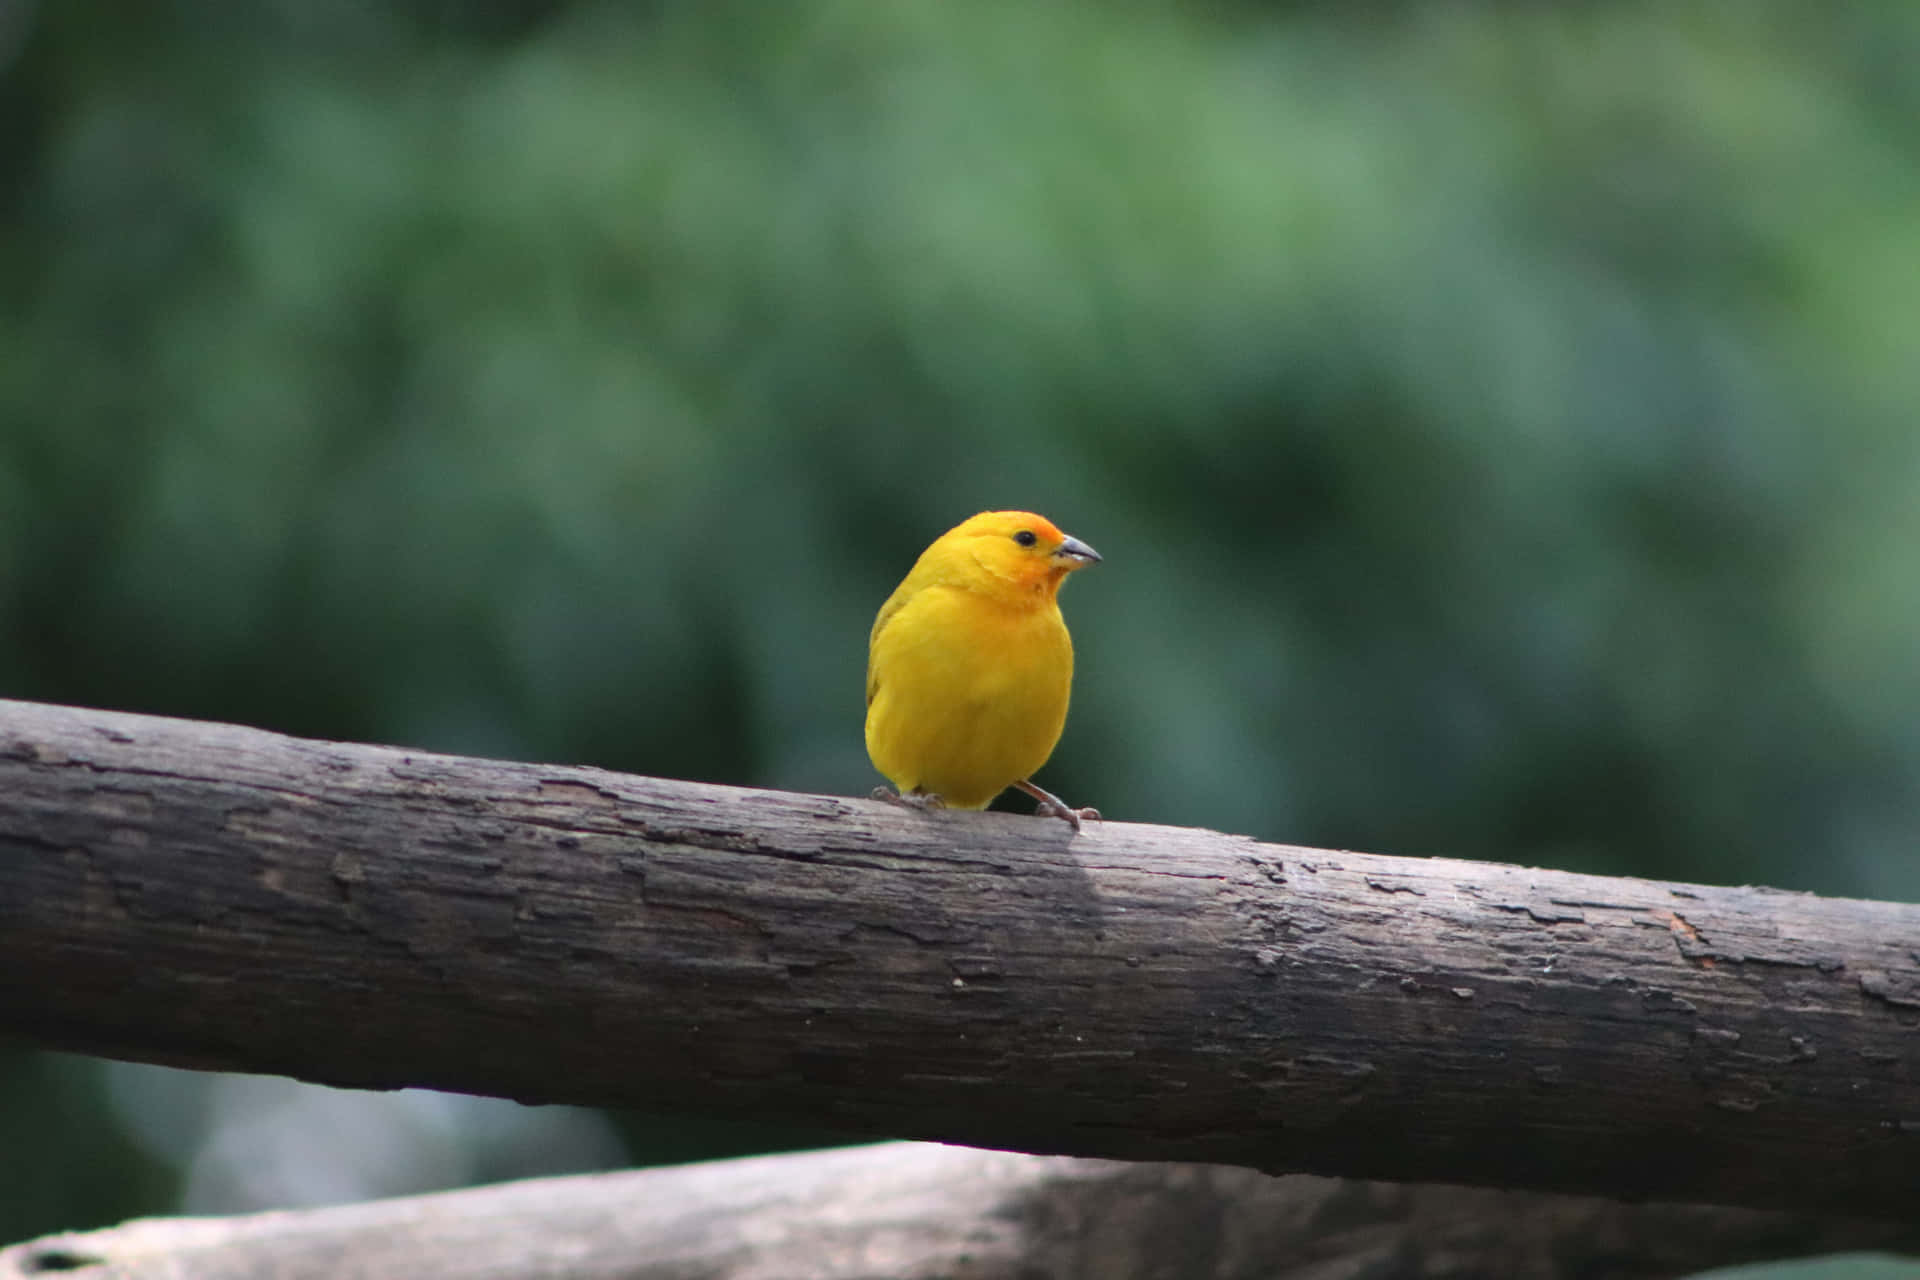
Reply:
x=887 y=611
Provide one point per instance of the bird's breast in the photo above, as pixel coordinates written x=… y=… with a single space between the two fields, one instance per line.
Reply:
x=972 y=650
x=972 y=694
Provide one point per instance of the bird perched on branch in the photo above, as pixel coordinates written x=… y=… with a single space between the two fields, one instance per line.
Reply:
x=969 y=666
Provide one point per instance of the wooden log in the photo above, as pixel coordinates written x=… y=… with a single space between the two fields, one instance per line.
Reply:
x=902 y=1211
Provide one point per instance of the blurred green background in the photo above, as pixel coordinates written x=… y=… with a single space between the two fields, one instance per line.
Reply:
x=1498 y=422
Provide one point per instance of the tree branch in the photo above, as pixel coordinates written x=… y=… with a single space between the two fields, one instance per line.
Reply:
x=217 y=897
x=906 y=1212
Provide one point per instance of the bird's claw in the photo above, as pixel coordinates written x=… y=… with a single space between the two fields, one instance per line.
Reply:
x=1049 y=805
x=1073 y=817
x=910 y=799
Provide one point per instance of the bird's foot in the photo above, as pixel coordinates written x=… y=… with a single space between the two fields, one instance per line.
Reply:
x=1052 y=806
x=909 y=799
x=1049 y=809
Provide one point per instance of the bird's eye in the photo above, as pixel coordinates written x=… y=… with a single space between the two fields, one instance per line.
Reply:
x=1025 y=538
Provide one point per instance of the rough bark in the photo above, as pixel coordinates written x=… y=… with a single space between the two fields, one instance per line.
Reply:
x=906 y=1212
x=217 y=897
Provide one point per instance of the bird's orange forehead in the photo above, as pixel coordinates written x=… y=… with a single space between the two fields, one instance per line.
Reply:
x=1010 y=522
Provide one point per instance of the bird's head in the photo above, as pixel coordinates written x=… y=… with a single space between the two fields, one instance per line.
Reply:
x=1016 y=549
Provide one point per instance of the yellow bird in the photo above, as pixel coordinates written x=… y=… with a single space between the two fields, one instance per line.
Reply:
x=969 y=666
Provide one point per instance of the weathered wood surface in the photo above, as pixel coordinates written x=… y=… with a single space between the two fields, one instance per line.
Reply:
x=907 y=1212
x=218 y=897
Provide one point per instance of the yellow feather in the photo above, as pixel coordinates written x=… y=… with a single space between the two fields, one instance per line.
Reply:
x=969 y=663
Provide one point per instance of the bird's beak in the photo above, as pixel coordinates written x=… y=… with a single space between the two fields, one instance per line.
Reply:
x=1076 y=554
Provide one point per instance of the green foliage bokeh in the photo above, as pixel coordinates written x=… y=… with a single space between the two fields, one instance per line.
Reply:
x=1497 y=421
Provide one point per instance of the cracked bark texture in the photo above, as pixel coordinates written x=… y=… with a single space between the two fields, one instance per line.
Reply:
x=217 y=897
x=907 y=1212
